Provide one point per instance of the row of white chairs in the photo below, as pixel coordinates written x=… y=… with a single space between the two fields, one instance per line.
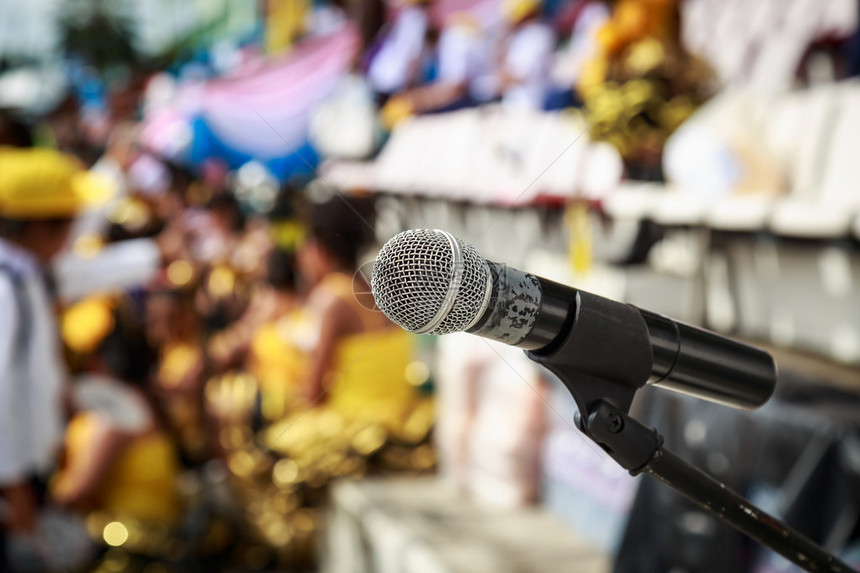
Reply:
x=488 y=155
x=787 y=216
x=810 y=140
x=762 y=43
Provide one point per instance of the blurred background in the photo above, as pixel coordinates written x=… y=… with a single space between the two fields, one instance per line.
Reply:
x=236 y=403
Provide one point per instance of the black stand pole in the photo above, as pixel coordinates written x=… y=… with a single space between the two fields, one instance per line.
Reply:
x=640 y=449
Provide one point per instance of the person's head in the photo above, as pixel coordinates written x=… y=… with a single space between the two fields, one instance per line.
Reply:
x=122 y=144
x=181 y=179
x=281 y=271
x=169 y=314
x=340 y=229
x=226 y=213
x=14 y=132
x=125 y=352
x=41 y=192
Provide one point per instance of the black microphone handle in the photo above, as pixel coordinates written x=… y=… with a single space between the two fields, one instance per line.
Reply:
x=701 y=363
x=569 y=330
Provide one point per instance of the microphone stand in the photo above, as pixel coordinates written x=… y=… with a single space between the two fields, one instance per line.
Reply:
x=603 y=383
x=639 y=449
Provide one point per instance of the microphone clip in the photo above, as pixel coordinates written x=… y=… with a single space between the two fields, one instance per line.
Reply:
x=629 y=442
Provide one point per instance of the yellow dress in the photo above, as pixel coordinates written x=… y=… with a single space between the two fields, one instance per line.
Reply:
x=279 y=362
x=367 y=379
x=141 y=483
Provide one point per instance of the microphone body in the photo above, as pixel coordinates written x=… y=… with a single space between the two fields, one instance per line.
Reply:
x=427 y=281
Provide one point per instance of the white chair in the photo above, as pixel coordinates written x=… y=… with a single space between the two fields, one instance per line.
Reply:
x=793 y=130
x=633 y=201
x=828 y=211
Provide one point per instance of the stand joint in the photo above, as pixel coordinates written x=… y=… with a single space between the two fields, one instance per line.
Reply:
x=630 y=443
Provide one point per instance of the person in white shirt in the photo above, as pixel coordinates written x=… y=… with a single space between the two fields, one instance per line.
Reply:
x=524 y=70
x=583 y=44
x=41 y=191
x=115 y=164
x=396 y=65
x=463 y=56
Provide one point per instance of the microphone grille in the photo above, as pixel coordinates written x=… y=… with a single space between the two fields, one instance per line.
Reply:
x=430 y=282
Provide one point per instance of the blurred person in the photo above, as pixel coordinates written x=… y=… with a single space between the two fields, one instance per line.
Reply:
x=396 y=64
x=175 y=332
x=223 y=293
x=118 y=457
x=214 y=174
x=261 y=352
x=358 y=362
x=41 y=192
x=274 y=297
x=214 y=228
x=278 y=347
x=253 y=249
x=65 y=128
x=463 y=57
x=332 y=377
x=90 y=266
x=126 y=245
x=171 y=204
x=120 y=153
x=522 y=79
x=274 y=293
x=656 y=23
x=149 y=176
x=585 y=19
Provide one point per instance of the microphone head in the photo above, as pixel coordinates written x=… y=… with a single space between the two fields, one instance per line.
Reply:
x=430 y=282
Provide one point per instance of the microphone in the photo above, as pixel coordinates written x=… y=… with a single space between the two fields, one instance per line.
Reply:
x=430 y=282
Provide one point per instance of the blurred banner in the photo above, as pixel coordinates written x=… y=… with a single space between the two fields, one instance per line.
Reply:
x=261 y=112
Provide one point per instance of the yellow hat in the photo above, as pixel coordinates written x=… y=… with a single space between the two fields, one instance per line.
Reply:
x=46 y=184
x=516 y=10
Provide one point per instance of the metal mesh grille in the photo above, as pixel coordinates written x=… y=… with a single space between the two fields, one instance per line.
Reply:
x=413 y=274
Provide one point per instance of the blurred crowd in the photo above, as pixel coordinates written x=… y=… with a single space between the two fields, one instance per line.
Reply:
x=217 y=366
x=621 y=63
x=220 y=359
x=192 y=351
